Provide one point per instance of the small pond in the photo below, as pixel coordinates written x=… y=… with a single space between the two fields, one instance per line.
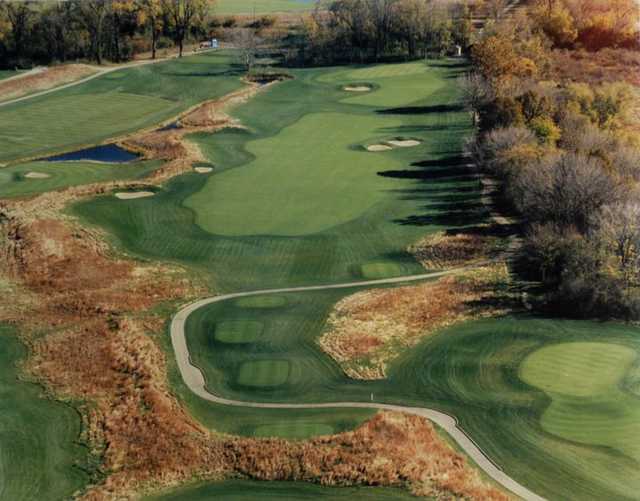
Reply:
x=110 y=153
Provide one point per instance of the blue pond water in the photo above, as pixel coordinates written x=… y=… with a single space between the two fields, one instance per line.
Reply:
x=110 y=153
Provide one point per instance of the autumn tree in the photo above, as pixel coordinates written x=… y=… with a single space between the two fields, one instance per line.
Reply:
x=92 y=14
x=151 y=15
x=183 y=16
x=18 y=15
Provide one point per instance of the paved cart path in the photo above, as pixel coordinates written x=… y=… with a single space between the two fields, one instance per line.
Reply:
x=195 y=380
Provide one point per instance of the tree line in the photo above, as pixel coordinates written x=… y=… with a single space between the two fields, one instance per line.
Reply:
x=371 y=30
x=43 y=33
x=568 y=161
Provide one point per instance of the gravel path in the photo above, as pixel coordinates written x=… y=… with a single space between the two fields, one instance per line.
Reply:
x=195 y=380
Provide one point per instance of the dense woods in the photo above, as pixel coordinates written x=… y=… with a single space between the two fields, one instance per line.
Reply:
x=564 y=147
x=55 y=32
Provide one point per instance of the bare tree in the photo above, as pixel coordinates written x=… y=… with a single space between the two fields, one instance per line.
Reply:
x=150 y=12
x=618 y=229
x=92 y=14
x=183 y=15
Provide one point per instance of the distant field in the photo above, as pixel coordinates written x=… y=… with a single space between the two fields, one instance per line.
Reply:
x=38 y=437
x=230 y=7
x=114 y=104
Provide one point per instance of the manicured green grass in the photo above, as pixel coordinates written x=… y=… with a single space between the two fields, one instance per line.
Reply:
x=230 y=7
x=589 y=406
x=239 y=490
x=238 y=331
x=13 y=182
x=313 y=162
x=295 y=199
x=298 y=430
x=270 y=301
x=574 y=440
x=38 y=437
x=113 y=104
x=263 y=373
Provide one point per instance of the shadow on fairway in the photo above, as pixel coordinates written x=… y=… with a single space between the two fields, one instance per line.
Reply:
x=422 y=110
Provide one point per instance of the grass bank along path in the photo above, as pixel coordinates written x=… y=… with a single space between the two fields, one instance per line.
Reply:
x=194 y=379
x=112 y=103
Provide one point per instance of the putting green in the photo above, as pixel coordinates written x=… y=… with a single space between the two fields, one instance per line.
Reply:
x=584 y=383
x=264 y=373
x=238 y=331
x=298 y=430
x=267 y=301
x=320 y=182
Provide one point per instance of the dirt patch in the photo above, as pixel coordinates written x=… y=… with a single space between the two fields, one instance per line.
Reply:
x=441 y=251
x=49 y=78
x=203 y=170
x=132 y=195
x=36 y=175
x=368 y=330
x=378 y=147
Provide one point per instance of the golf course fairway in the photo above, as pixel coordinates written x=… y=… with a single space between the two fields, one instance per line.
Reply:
x=296 y=199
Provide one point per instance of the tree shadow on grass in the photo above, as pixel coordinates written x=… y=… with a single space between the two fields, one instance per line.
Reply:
x=422 y=110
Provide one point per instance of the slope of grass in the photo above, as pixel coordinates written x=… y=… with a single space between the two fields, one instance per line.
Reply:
x=9 y=73
x=13 y=182
x=574 y=440
x=114 y=104
x=38 y=450
x=250 y=490
x=296 y=199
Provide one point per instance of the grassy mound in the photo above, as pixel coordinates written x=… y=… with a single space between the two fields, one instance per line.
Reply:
x=238 y=331
x=263 y=373
x=588 y=405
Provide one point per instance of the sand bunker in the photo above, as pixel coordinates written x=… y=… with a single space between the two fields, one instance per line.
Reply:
x=36 y=175
x=378 y=147
x=131 y=195
x=357 y=88
x=203 y=170
x=404 y=143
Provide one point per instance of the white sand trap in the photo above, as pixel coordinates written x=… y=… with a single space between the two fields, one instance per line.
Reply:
x=404 y=143
x=357 y=88
x=36 y=175
x=203 y=170
x=378 y=147
x=132 y=195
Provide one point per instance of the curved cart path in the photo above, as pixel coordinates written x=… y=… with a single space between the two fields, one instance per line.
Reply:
x=195 y=380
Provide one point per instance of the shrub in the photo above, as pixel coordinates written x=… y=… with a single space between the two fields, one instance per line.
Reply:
x=545 y=130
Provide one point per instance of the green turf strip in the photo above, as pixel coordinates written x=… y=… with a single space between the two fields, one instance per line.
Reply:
x=238 y=331
x=114 y=104
x=38 y=437
x=270 y=301
x=245 y=490
x=263 y=373
x=298 y=430
x=8 y=73
x=13 y=182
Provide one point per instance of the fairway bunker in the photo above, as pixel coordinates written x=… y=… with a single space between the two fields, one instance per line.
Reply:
x=108 y=153
x=132 y=195
x=403 y=143
x=36 y=175
x=203 y=170
x=358 y=88
x=376 y=148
